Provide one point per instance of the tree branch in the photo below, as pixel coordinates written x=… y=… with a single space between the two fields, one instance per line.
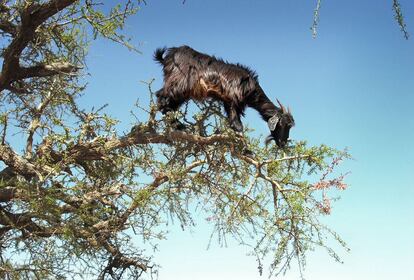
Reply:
x=8 y=27
x=31 y=17
x=21 y=165
x=43 y=70
x=98 y=149
x=22 y=221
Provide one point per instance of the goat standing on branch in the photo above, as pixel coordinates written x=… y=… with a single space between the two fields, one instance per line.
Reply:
x=189 y=74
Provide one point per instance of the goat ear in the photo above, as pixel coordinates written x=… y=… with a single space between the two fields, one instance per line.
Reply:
x=272 y=122
x=281 y=107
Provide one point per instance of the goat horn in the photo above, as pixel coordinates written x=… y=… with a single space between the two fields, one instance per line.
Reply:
x=268 y=139
x=290 y=112
x=281 y=106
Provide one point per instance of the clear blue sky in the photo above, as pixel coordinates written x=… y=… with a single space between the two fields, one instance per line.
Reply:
x=351 y=87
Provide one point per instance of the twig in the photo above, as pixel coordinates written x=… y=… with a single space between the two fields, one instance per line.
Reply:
x=316 y=19
x=399 y=17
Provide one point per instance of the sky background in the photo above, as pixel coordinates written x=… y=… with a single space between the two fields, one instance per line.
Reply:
x=351 y=87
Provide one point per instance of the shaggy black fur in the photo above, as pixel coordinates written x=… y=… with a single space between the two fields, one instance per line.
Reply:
x=189 y=74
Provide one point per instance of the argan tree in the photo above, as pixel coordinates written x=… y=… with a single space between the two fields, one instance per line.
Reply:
x=78 y=198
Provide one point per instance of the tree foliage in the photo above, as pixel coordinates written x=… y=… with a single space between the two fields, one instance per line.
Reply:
x=78 y=198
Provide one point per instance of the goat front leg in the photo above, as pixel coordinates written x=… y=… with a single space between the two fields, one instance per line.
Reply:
x=234 y=118
x=237 y=126
x=167 y=104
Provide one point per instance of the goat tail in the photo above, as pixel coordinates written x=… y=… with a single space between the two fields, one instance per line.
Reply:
x=158 y=55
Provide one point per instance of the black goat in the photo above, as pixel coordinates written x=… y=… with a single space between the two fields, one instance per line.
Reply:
x=189 y=74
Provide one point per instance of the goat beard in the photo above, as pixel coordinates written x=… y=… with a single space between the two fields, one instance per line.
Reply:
x=268 y=139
